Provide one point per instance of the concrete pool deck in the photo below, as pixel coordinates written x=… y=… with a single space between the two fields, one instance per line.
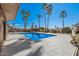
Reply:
x=53 y=46
x=58 y=46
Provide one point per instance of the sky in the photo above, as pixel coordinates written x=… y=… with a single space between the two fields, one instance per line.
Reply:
x=72 y=10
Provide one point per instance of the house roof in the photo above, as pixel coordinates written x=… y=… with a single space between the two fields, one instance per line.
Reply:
x=10 y=10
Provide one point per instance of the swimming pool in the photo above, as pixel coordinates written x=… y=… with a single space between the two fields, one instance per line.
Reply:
x=36 y=36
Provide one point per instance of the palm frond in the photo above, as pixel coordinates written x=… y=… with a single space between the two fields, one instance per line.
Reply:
x=23 y=12
x=63 y=13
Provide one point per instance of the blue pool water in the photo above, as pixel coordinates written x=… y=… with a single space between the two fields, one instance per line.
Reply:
x=36 y=36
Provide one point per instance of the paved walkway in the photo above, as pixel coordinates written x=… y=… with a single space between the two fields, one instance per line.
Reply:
x=53 y=46
x=58 y=46
x=11 y=48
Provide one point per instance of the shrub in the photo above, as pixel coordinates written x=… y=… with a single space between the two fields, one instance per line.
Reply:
x=66 y=30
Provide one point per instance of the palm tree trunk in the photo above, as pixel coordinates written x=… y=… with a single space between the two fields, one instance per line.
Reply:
x=44 y=20
x=39 y=23
x=48 y=24
x=25 y=24
x=63 y=22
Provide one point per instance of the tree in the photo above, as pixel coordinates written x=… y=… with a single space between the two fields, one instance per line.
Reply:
x=44 y=7
x=66 y=30
x=42 y=29
x=13 y=25
x=63 y=14
x=25 y=15
x=39 y=16
x=32 y=26
x=49 y=12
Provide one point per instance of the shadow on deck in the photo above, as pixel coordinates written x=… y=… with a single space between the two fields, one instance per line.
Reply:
x=37 y=53
x=14 y=48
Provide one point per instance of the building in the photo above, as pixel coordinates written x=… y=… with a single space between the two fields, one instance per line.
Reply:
x=8 y=11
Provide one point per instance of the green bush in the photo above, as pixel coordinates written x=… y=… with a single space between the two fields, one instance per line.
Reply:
x=66 y=30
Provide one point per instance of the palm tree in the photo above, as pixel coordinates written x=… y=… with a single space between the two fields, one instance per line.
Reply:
x=32 y=26
x=25 y=21
x=13 y=27
x=36 y=27
x=49 y=12
x=25 y=15
x=63 y=14
x=39 y=16
x=45 y=6
x=23 y=12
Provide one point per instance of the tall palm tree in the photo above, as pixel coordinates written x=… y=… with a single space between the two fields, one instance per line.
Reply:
x=32 y=26
x=49 y=12
x=25 y=15
x=44 y=7
x=23 y=12
x=39 y=16
x=25 y=22
x=13 y=27
x=36 y=27
x=63 y=14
